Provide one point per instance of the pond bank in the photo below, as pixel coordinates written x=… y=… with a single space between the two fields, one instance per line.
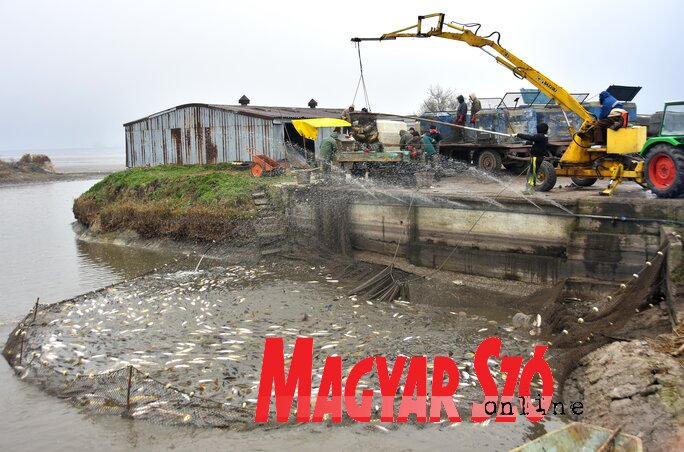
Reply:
x=204 y=202
x=26 y=171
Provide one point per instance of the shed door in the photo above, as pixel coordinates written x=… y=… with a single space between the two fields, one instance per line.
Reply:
x=177 y=140
x=210 y=145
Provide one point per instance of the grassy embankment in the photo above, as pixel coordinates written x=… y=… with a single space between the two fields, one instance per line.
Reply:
x=203 y=202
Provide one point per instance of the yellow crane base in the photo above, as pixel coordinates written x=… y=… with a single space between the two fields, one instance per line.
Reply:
x=615 y=171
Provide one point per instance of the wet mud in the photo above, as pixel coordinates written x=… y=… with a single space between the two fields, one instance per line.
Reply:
x=633 y=385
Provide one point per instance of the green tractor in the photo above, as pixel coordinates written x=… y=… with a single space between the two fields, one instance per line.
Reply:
x=664 y=154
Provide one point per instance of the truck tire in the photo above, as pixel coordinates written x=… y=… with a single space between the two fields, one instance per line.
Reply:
x=546 y=177
x=664 y=171
x=489 y=160
x=583 y=181
x=516 y=167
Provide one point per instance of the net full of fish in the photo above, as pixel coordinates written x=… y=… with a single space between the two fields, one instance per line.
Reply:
x=203 y=332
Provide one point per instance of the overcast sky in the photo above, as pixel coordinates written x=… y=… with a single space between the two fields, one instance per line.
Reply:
x=74 y=71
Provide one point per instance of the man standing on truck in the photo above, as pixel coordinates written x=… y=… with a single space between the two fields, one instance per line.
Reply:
x=475 y=107
x=539 y=141
x=461 y=113
x=347 y=113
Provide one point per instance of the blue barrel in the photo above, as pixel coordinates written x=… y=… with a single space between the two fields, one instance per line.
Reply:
x=448 y=133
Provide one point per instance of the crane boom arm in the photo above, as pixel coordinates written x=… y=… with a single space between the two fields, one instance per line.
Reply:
x=504 y=57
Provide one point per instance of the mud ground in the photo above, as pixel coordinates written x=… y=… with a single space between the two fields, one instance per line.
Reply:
x=633 y=385
x=38 y=178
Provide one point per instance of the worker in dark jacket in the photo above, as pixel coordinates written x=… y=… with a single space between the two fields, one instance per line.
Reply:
x=436 y=138
x=539 y=142
x=328 y=149
x=435 y=135
x=461 y=113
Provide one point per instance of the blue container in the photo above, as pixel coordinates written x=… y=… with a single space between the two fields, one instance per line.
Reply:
x=558 y=127
x=448 y=133
x=530 y=95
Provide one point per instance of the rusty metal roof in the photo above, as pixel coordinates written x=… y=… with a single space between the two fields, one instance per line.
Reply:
x=282 y=112
x=259 y=111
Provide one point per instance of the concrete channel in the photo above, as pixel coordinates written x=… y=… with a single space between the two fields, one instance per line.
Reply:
x=535 y=240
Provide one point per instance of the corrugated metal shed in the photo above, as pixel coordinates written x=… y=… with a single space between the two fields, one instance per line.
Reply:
x=207 y=133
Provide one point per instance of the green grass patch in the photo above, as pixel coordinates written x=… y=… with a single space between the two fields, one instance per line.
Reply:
x=198 y=201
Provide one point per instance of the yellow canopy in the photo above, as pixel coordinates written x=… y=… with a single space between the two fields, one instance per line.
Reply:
x=308 y=128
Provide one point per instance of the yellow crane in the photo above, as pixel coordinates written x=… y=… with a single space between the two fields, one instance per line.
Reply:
x=618 y=160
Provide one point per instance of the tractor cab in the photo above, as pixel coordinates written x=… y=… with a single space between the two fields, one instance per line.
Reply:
x=672 y=123
x=664 y=154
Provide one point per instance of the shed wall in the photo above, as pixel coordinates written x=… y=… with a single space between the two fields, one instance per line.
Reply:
x=201 y=135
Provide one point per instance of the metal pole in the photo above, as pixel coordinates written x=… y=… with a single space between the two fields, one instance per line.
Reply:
x=462 y=127
x=35 y=309
x=128 y=393
x=447 y=124
x=21 y=348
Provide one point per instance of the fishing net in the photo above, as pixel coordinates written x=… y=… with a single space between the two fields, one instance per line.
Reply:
x=576 y=327
x=126 y=392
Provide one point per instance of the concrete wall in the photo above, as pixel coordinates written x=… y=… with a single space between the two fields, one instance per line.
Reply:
x=512 y=241
x=499 y=244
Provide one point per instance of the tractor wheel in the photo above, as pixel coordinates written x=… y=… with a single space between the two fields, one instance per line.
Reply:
x=257 y=170
x=488 y=160
x=517 y=167
x=583 y=181
x=664 y=171
x=546 y=176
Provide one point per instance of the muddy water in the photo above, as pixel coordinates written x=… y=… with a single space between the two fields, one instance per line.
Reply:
x=40 y=254
x=41 y=258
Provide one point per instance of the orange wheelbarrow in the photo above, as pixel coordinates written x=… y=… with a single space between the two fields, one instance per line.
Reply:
x=263 y=165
